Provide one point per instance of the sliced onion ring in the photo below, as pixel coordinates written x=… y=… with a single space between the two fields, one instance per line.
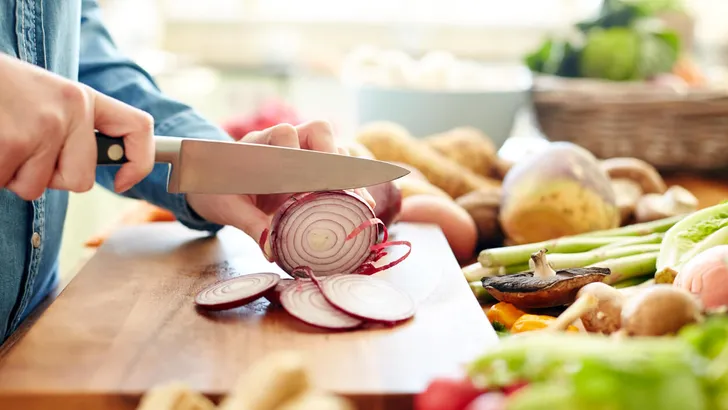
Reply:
x=237 y=291
x=304 y=301
x=312 y=229
x=368 y=298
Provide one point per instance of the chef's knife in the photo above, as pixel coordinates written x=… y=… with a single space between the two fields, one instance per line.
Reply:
x=221 y=167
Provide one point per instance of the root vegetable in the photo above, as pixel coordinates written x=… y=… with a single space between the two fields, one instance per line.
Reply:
x=358 y=150
x=560 y=191
x=269 y=383
x=483 y=207
x=675 y=201
x=391 y=142
x=305 y=302
x=706 y=275
x=414 y=172
x=468 y=147
x=174 y=396
x=502 y=167
x=237 y=291
x=636 y=170
x=413 y=186
x=659 y=310
x=314 y=400
x=329 y=232
x=457 y=225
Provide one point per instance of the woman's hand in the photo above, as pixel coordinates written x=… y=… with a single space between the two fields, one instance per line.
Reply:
x=252 y=213
x=47 y=138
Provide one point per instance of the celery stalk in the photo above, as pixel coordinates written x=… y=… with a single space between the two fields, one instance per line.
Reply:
x=628 y=266
x=578 y=260
x=520 y=254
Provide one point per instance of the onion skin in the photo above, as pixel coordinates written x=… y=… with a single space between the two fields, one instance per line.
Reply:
x=389 y=202
x=706 y=275
x=346 y=211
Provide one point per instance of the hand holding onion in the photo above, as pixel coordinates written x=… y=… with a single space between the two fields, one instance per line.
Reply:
x=253 y=213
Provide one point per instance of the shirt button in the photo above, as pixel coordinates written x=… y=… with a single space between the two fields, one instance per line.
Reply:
x=35 y=240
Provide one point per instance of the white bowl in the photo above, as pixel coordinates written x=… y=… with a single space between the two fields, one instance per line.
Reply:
x=491 y=107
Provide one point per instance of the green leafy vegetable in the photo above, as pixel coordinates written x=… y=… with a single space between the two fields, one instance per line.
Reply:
x=621 y=43
x=590 y=372
x=695 y=233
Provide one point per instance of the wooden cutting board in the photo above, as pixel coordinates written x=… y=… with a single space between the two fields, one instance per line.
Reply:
x=127 y=322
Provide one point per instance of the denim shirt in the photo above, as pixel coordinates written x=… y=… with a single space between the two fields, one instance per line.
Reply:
x=68 y=38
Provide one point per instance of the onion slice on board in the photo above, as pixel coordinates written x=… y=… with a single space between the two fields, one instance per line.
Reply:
x=368 y=298
x=304 y=301
x=274 y=295
x=235 y=292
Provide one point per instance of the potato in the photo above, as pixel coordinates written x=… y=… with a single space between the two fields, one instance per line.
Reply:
x=411 y=186
x=391 y=142
x=468 y=147
x=483 y=206
x=456 y=224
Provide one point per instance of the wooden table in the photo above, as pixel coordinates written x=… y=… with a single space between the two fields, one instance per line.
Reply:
x=127 y=322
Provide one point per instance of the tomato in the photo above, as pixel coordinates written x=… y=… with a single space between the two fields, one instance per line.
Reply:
x=447 y=394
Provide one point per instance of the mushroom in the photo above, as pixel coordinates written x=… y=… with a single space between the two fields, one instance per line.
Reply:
x=598 y=305
x=632 y=178
x=543 y=287
x=627 y=194
x=675 y=201
x=637 y=170
x=659 y=310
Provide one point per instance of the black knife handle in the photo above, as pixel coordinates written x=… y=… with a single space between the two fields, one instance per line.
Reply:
x=110 y=150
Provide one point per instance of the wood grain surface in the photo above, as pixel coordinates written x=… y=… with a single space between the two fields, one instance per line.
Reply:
x=128 y=322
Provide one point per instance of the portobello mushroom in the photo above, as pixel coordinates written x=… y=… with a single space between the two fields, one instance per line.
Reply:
x=543 y=287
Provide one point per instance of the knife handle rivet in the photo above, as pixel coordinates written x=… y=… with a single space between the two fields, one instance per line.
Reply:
x=115 y=152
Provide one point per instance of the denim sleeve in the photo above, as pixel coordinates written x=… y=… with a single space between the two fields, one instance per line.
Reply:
x=103 y=67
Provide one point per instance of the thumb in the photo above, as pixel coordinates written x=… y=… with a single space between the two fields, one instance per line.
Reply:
x=136 y=127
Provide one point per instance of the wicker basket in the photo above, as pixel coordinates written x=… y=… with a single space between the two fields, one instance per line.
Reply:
x=670 y=128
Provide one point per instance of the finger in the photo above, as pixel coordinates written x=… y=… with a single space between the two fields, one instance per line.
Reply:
x=114 y=118
x=13 y=154
x=362 y=192
x=281 y=135
x=34 y=176
x=75 y=169
x=231 y=210
x=317 y=136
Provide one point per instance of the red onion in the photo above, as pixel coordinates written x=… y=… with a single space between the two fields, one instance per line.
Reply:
x=305 y=302
x=237 y=291
x=329 y=232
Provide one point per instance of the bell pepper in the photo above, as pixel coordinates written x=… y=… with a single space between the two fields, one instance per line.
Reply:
x=504 y=313
x=527 y=323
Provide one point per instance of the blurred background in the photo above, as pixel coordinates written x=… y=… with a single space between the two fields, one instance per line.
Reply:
x=245 y=63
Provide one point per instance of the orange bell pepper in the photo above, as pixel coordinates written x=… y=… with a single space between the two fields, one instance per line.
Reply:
x=527 y=323
x=504 y=313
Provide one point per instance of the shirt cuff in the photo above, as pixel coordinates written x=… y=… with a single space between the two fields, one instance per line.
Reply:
x=189 y=124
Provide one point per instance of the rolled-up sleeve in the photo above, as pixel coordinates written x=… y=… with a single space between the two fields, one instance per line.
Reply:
x=103 y=67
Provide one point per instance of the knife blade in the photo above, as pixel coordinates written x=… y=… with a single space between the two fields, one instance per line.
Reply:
x=221 y=167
